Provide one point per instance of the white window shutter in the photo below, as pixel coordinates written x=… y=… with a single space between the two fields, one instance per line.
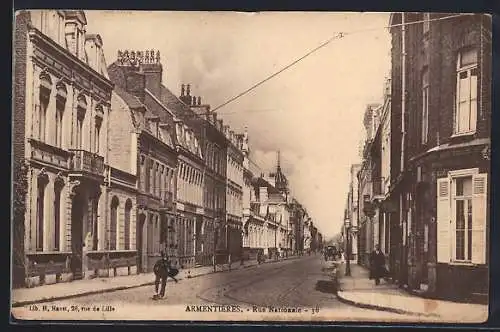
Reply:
x=443 y=221
x=479 y=212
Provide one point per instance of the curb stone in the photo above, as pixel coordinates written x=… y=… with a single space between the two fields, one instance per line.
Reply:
x=382 y=308
x=118 y=288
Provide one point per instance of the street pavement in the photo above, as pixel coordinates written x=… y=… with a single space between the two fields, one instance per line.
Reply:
x=257 y=293
x=358 y=290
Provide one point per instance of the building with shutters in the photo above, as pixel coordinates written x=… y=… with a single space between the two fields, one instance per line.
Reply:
x=440 y=143
x=234 y=193
x=351 y=211
x=190 y=194
x=143 y=140
x=210 y=132
x=62 y=99
x=368 y=224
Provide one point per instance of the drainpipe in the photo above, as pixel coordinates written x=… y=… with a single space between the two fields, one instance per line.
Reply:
x=106 y=197
x=403 y=91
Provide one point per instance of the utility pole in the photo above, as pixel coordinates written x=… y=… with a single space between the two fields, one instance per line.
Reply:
x=347 y=225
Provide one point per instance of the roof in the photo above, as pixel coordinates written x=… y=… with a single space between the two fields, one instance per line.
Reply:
x=172 y=102
x=131 y=100
x=261 y=182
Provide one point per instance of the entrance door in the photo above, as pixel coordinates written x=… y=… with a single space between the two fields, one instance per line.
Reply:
x=198 y=242
x=77 y=237
x=140 y=243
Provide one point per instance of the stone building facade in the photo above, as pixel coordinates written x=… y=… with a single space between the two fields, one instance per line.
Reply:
x=62 y=117
x=144 y=127
x=234 y=193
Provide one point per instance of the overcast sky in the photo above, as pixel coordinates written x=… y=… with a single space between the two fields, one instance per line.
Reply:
x=312 y=112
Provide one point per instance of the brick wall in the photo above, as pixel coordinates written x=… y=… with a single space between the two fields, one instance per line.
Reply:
x=445 y=39
x=120 y=135
x=18 y=140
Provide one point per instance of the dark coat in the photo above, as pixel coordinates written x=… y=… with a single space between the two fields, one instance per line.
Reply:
x=377 y=265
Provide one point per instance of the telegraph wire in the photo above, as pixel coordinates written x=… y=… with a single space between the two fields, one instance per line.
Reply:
x=325 y=43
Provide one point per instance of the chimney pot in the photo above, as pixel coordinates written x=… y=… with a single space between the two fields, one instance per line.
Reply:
x=199 y=101
x=183 y=88
x=193 y=101
x=188 y=90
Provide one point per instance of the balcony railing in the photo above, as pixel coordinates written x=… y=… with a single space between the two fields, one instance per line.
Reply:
x=86 y=161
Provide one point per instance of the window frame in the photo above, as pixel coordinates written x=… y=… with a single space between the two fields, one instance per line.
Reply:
x=466 y=69
x=452 y=176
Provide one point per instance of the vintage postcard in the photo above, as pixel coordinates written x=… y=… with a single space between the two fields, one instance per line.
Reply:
x=271 y=166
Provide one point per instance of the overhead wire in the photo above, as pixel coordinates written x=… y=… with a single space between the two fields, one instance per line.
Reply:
x=338 y=35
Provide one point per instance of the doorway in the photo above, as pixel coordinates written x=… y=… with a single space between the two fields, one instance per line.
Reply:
x=77 y=214
x=140 y=242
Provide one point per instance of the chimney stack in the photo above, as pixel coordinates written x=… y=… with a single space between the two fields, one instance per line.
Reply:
x=188 y=90
x=183 y=88
x=193 y=101
x=199 y=101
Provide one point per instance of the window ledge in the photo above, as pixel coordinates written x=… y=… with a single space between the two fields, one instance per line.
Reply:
x=34 y=253
x=462 y=263
x=469 y=133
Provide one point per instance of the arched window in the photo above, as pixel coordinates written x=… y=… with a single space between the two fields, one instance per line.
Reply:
x=58 y=186
x=81 y=111
x=40 y=210
x=113 y=221
x=44 y=98
x=142 y=179
x=60 y=105
x=128 y=208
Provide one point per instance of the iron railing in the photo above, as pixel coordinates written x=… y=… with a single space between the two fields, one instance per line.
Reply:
x=87 y=162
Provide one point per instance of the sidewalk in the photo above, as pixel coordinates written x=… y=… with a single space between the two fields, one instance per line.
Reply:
x=66 y=290
x=359 y=290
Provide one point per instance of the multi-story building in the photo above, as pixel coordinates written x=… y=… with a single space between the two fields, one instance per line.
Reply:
x=368 y=224
x=234 y=193
x=62 y=98
x=190 y=194
x=307 y=234
x=214 y=144
x=379 y=156
x=440 y=142
x=352 y=210
x=142 y=135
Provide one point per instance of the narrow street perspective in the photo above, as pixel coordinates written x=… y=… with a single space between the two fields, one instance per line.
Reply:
x=270 y=166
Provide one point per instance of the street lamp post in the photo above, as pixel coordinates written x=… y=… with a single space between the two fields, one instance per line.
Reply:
x=347 y=224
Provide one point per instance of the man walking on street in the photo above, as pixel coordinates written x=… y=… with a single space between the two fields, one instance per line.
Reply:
x=377 y=265
x=162 y=270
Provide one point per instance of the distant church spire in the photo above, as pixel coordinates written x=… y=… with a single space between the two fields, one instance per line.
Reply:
x=278 y=163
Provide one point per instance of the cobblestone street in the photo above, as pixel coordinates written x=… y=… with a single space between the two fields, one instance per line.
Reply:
x=294 y=284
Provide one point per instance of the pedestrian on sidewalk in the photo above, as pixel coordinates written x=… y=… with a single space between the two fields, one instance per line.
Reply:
x=377 y=265
x=162 y=270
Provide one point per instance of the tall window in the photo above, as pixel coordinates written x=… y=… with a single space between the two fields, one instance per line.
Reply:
x=462 y=199
x=466 y=109
x=59 y=122
x=57 y=215
x=128 y=208
x=42 y=114
x=97 y=134
x=143 y=177
x=40 y=212
x=113 y=223
x=462 y=209
x=425 y=105
x=81 y=110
